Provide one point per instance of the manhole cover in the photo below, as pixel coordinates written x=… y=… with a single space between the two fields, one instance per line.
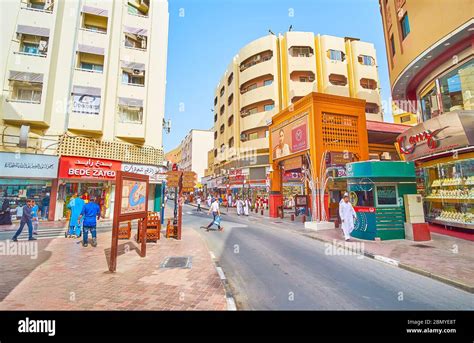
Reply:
x=177 y=262
x=421 y=246
x=278 y=222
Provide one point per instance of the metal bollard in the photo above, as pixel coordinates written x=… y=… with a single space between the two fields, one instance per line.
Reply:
x=292 y=217
x=261 y=212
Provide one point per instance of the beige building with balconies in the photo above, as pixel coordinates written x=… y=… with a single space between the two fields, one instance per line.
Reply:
x=85 y=67
x=270 y=74
x=84 y=78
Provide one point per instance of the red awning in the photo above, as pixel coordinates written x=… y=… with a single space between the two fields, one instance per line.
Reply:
x=386 y=127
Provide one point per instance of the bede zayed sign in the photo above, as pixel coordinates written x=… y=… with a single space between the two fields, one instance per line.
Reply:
x=443 y=133
x=88 y=168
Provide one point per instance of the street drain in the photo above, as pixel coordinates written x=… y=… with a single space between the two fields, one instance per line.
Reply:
x=177 y=262
x=421 y=246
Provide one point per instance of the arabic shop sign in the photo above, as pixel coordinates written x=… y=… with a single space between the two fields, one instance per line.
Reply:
x=28 y=165
x=88 y=168
x=443 y=133
x=157 y=174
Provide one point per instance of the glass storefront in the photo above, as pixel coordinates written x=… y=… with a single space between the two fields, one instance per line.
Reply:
x=101 y=191
x=17 y=191
x=450 y=92
x=449 y=193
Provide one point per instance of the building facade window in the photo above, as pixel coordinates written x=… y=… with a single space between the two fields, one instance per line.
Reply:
x=34 y=45
x=222 y=110
x=267 y=82
x=230 y=79
x=135 y=41
x=133 y=77
x=215 y=117
x=231 y=142
x=230 y=121
x=336 y=55
x=215 y=135
x=451 y=91
x=268 y=107
x=366 y=60
x=129 y=114
x=405 y=25
x=230 y=99
x=301 y=51
x=338 y=79
x=371 y=107
x=392 y=45
x=92 y=67
x=368 y=83
x=221 y=130
x=27 y=94
x=222 y=91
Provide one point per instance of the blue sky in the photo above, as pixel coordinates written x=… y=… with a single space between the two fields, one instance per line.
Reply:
x=196 y=61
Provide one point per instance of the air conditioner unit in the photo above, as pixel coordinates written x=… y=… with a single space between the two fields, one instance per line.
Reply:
x=136 y=71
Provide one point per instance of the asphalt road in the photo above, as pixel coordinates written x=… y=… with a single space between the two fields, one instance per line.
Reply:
x=272 y=268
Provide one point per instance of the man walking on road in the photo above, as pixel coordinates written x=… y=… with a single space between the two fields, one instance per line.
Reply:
x=348 y=216
x=198 y=201
x=26 y=220
x=216 y=213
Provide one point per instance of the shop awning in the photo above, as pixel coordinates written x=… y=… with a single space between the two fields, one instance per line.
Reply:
x=90 y=49
x=26 y=77
x=33 y=30
x=86 y=90
x=95 y=11
x=130 y=102
x=133 y=65
x=135 y=31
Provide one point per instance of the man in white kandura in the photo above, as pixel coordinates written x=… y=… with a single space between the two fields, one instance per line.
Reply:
x=348 y=216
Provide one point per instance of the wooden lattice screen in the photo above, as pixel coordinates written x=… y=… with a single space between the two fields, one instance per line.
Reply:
x=121 y=151
x=340 y=132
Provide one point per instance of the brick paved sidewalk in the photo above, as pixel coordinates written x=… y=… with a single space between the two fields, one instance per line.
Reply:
x=445 y=258
x=67 y=276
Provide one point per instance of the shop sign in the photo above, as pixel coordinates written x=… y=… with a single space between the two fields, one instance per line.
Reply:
x=293 y=163
x=155 y=173
x=291 y=136
x=88 y=168
x=28 y=165
x=445 y=132
x=289 y=176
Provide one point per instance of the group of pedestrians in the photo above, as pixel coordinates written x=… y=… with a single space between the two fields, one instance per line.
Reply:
x=84 y=216
x=243 y=206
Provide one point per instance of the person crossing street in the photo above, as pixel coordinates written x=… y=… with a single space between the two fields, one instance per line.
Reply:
x=216 y=215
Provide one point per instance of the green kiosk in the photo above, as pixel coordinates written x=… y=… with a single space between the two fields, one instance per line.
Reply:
x=376 y=191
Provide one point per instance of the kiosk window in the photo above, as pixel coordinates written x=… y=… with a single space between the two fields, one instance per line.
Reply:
x=386 y=196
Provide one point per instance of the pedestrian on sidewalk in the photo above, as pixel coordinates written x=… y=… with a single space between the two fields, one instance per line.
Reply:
x=75 y=225
x=5 y=216
x=209 y=200
x=25 y=220
x=90 y=213
x=216 y=215
x=35 y=211
x=198 y=201
x=348 y=216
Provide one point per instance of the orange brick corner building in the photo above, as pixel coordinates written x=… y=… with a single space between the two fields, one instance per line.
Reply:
x=315 y=124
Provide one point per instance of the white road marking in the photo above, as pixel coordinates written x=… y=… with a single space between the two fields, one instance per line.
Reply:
x=221 y=273
x=386 y=260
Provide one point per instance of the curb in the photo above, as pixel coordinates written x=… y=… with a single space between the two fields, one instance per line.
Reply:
x=405 y=266
x=229 y=297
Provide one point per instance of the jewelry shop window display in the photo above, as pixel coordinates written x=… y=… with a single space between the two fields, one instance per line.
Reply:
x=449 y=196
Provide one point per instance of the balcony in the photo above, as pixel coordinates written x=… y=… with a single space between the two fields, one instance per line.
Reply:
x=133 y=74
x=257 y=95
x=139 y=7
x=135 y=38
x=256 y=120
x=255 y=144
x=94 y=19
x=39 y=6
x=23 y=101
x=263 y=68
